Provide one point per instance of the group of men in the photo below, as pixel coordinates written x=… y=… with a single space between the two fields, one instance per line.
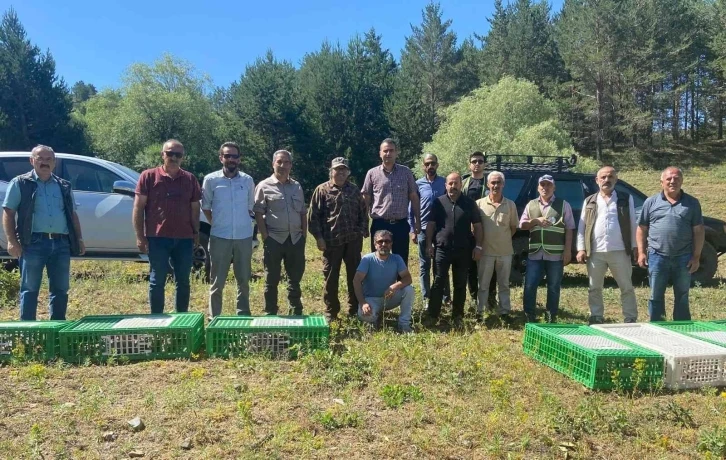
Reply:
x=463 y=225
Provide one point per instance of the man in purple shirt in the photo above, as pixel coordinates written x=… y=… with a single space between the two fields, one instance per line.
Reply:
x=551 y=226
x=388 y=189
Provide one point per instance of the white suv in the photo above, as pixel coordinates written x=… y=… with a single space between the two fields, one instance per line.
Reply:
x=104 y=194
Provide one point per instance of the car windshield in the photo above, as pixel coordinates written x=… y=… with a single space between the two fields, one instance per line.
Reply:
x=130 y=172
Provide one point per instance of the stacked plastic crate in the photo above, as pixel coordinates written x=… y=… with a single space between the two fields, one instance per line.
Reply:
x=689 y=362
x=277 y=336
x=132 y=337
x=593 y=358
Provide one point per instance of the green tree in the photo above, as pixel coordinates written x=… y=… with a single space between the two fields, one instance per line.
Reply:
x=35 y=104
x=427 y=81
x=264 y=112
x=521 y=43
x=509 y=118
x=156 y=102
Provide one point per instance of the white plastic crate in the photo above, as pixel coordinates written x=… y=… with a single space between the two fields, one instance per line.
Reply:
x=690 y=363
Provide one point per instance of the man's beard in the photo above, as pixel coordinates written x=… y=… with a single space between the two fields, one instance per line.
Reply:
x=230 y=168
x=384 y=252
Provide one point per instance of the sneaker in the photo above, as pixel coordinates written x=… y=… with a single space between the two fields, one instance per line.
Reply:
x=596 y=320
x=631 y=320
x=550 y=318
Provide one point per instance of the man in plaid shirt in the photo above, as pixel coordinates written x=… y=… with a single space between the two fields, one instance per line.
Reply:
x=338 y=220
x=388 y=190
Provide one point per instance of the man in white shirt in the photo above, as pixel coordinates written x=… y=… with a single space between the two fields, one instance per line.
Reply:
x=606 y=239
x=228 y=196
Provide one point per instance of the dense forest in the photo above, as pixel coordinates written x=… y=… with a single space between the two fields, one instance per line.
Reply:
x=600 y=74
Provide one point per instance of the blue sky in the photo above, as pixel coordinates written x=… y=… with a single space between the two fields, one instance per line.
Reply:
x=95 y=41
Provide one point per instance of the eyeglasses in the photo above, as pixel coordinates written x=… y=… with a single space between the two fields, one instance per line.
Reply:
x=477 y=162
x=384 y=242
x=430 y=163
x=232 y=156
x=174 y=154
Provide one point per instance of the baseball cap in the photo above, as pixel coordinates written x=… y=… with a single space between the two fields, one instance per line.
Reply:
x=546 y=178
x=339 y=161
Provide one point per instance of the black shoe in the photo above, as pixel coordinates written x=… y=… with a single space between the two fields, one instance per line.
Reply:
x=596 y=320
x=505 y=318
x=530 y=318
x=550 y=318
x=480 y=318
x=631 y=320
x=457 y=322
x=429 y=321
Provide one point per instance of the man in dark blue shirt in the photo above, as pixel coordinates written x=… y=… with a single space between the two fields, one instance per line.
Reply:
x=430 y=187
x=670 y=238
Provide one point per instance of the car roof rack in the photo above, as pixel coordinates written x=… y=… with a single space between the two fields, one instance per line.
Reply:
x=558 y=164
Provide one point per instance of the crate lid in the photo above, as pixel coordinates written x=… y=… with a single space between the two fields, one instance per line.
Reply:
x=136 y=322
x=269 y=322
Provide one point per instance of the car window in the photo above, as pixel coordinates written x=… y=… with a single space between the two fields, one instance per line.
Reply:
x=13 y=166
x=88 y=177
x=512 y=187
x=637 y=199
x=135 y=175
x=570 y=191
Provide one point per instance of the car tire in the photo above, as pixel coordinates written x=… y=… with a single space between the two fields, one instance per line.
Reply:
x=708 y=266
x=202 y=264
x=11 y=264
x=519 y=260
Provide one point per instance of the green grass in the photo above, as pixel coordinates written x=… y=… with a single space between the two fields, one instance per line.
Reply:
x=433 y=394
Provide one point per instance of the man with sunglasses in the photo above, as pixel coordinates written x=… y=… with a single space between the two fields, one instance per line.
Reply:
x=430 y=187
x=376 y=286
x=388 y=190
x=166 y=220
x=228 y=196
x=475 y=187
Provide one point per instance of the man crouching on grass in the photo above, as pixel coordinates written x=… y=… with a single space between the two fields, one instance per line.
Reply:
x=376 y=286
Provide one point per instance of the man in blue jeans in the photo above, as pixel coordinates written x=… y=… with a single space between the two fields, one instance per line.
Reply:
x=376 y=287
x=430 y=187
x=670 y=238
x=551 y=226
x=46 y=234
x=166 y=220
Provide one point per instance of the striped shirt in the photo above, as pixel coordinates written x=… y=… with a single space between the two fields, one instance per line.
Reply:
x=337 y=214
x=389 y=191
x=168 y=211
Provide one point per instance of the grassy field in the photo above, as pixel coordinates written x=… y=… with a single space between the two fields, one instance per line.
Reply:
x=434 y=394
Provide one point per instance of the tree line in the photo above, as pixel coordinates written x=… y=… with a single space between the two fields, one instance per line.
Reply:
x=611 y=73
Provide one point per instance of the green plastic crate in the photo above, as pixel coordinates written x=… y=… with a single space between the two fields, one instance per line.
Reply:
x=278 y=336
x=590 y=356
x=133 y=337
x=712 y=332
x=34 y=340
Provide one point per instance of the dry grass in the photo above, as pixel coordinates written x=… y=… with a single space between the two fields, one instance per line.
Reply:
x=435 y=394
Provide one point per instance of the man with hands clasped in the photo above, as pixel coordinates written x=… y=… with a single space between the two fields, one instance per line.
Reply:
x=376 y=286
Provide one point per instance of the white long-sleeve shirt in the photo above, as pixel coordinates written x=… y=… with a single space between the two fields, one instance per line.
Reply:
x=606 y=235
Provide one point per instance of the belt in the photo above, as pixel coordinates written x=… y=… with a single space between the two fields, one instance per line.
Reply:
x=51 y=236
x=391 y=221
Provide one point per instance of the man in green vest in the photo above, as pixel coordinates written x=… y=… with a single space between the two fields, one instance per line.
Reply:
x=551 y=225
x=606 y=239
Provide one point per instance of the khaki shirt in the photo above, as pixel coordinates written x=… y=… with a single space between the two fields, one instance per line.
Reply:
x=283 y=206
x=499 y=224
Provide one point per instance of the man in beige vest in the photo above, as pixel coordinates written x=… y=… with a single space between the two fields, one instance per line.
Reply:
x=606 y=239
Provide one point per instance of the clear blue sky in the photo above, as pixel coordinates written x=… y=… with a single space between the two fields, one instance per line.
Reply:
x=95 y=41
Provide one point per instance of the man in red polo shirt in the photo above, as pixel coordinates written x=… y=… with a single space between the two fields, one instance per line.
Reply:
x=166 y=220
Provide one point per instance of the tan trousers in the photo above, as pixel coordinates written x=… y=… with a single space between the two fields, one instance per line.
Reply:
x=619 y=264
